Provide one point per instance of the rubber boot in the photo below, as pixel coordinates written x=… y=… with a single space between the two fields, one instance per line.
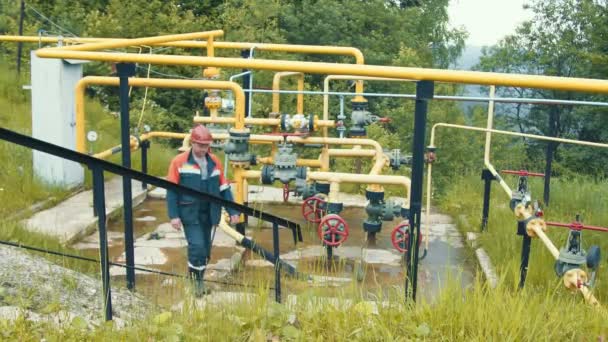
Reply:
x=198 y=283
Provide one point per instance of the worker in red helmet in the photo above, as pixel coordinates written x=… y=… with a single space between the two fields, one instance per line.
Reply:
x=200 y=170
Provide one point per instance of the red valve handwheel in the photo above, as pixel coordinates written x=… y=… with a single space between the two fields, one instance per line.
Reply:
x=401 y=235
x=313 y=209
x=333 y=230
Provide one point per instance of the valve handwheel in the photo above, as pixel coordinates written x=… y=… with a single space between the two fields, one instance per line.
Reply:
x=313 y=209
x=401 y=235
x=333 y=230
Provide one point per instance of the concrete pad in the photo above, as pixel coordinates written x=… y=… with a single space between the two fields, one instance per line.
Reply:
x=221 y=265
x=259 y=263
x=145 y=219
x=158 y=193
x=146 y=256
x=73 y=218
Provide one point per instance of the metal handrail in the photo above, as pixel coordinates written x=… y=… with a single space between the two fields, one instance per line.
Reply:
x=74 y=156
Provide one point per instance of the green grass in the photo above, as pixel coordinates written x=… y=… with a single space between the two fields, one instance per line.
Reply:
x=463 y=201
x=477 y=314
x=20 y=189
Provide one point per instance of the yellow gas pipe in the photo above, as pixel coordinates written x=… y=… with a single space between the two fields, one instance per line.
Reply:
x=337 y=177
x=121 y=43
x=276 y=86
x=238 y=120
x=255 y=121
x=439 y=75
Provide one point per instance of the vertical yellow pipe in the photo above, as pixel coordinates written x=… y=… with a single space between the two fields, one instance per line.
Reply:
x=276 y=86
x=239 y=124
x=486 y=155
x=334 y=190
x=300 y=103
x=210 y=72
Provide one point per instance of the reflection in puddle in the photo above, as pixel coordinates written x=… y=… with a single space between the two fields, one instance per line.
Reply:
x=375 y=268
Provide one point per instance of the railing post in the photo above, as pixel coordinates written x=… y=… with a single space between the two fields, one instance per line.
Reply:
x=126 y=70
x=424 y=93
x=525 y=253
x=144 y=145
x=99 y=202
x=487 y=177
x=277 y=263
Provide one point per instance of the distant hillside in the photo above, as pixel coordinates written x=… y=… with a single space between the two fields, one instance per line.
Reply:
x=470 y=57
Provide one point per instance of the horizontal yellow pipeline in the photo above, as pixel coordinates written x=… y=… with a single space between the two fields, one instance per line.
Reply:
x=517 y=134
x=337 y=177
x=291 y=48
x=109 y=152
x=121 y=43
x=167 y=135
x=380 y=162
x=157 y=83
x=276 y=85
x=450 y=76
x=353 y=152
x=255 y=121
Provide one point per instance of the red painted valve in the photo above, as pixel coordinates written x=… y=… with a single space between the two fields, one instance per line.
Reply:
x=285 y=192
x=523 y=173
x=401 y=235
x=333 y=230
x=313 y=208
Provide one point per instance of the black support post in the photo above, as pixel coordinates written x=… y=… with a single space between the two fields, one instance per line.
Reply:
x=487 y=177
x=20 y=44
x=124 y=72
x=144 y=145
x=246 y=81
x=277 y=264
x=525 y=257
x=99 y=202
x=424 y=93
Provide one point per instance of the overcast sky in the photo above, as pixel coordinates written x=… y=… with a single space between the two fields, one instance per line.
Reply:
x=487 y=20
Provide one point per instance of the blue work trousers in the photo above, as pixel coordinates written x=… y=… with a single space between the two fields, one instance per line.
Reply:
x=198 y=235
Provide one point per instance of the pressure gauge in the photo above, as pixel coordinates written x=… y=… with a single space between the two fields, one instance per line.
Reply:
x=92 y=136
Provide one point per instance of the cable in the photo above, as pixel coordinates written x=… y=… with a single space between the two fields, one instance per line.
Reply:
x=19 y=245
x=143 y=106
x=49 y=20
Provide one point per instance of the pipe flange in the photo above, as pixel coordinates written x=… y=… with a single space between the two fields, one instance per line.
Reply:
x=322 y=188
x=372 y=226
x=335 y=207
x=312 y=123
x=301 y=172
x=356 y=131
x=534 y=222
x=374 y=195
x=267 y=174
x=359 y=105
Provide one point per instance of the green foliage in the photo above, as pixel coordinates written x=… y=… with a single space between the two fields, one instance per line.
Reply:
x=560 y=40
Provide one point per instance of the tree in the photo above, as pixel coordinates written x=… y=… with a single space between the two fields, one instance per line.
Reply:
x=555 y=43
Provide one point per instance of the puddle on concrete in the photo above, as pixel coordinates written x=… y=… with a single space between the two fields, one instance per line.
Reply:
x=383 y=270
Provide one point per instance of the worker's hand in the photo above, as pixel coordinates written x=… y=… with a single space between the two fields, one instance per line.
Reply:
x=234 y=219
x=176 y=223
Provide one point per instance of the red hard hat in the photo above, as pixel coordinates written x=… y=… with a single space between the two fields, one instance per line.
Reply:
x=200 y=134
